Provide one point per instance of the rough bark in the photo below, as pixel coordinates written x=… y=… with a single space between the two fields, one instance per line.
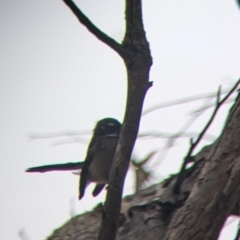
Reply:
x=208 y=195
x=216 y=190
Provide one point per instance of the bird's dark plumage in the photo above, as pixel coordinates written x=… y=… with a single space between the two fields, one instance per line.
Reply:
x=100 y=155
x=99 y=158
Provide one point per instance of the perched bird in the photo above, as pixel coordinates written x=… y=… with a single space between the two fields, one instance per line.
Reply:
x=99 y=158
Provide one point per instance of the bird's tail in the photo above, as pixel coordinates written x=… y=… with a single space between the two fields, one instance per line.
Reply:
x=56 y=167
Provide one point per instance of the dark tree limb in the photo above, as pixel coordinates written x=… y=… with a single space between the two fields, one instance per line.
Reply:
x=138 y=61
x=216 y=191
x=93 y=29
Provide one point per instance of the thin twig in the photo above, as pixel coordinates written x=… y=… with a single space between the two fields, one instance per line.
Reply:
x=34 y=136
x=209 y=106
x=181 y=101
x=157 y=134
x=70 y=141
x=181 y=133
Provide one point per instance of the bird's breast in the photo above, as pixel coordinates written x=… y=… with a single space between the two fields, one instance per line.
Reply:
x=100 y=167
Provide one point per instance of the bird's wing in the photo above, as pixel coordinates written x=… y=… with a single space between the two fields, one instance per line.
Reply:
x=56 y=167
x=96 y=146
x=98 y=188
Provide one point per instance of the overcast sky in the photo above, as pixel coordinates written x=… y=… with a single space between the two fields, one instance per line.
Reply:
x=55 y=76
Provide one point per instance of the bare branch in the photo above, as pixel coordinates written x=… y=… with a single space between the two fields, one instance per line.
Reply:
x=157 y=134
x=181 y=133
x=138 y=61
x=209 y=106
x=193 y=145
x=218 y=105
x=34 y=136
x=93 y=29
x=181 y=101
x=70 y=141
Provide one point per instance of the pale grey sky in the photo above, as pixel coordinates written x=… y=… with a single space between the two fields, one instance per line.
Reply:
x=56 y=76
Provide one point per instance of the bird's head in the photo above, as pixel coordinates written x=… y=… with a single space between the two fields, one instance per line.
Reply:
x=107 y=127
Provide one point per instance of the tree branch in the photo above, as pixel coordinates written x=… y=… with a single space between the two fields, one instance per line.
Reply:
x=216 y=190
x=218 y=105
x=193 y=145
x=181 y=101
x=93 y=29
x=138 y=61
x=137 y=58
x=34 y=136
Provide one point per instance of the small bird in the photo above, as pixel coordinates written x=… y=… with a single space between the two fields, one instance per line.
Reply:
x=99 y=157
